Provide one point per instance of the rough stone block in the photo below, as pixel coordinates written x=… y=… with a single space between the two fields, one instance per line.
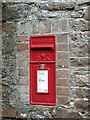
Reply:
x=9 y=111
x=79 y=62
x=83 y=1
x=87 y=13
x=58 y=5
x=63 y=100
x=9 y=13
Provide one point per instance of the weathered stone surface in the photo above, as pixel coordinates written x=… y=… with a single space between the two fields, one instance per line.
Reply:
x=83 y=1
x=77 y=14
x=82 y=80
x=8 y=28
x=8 y=56
x=5 y=93
x=81 y=104
x=51 y=6
x=79 y=62
x=87 y=13
x=9 y=111
x=73 y=115
x=81 y=92
x=8 y=13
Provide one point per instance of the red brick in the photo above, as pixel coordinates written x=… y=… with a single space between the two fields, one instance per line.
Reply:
x=23 y=72
x=62 y=38
x=62 y=74
x=23 y=55
x=23 y=63
x=47 y=26
x=62 y=55
x=63 y=100
x=22 y=46
x=64 y=25
x=62 y=47
x=22 y=38
x=55 y=25
x=63 y=91
x=62 y=64
x=63 y=82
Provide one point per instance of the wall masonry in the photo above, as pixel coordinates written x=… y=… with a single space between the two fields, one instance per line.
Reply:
x=68 y=20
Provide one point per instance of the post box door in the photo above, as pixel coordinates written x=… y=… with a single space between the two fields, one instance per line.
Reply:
x=42 y=70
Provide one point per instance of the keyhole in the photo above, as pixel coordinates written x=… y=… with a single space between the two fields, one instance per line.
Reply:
x=41 y=65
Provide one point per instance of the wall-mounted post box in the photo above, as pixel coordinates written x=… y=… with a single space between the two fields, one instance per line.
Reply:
x=42 y=70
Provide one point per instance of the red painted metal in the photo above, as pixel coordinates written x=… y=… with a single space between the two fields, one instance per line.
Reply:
x=43 y=51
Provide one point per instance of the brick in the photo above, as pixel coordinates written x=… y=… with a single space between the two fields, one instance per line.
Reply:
x=62 y=55
x=35 y=28
x=55 y=26
x=23 y=63
x=62 y=73
x=22 y=38
x=41 y=27
x=64 y=25
x=22 y=46
x=24 y=93
x=63 y=100
x=63 y=91
x=63 y=82
x=23 y=80
x=23 y=72
x=62 y=38
x=47 y=25
x=22 y=55
x=62 y=64
x=62 y=47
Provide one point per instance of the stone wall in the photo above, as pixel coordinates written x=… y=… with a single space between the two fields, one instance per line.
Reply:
x=69 y=22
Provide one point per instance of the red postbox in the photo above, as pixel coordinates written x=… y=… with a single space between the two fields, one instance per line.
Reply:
x=42 y=70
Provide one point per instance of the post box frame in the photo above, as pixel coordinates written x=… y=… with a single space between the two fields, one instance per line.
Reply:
x=51 y=46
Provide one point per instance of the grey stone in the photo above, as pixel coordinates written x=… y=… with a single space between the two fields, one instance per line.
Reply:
x=51 y=6
x=86 y=13
x=8 y=13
